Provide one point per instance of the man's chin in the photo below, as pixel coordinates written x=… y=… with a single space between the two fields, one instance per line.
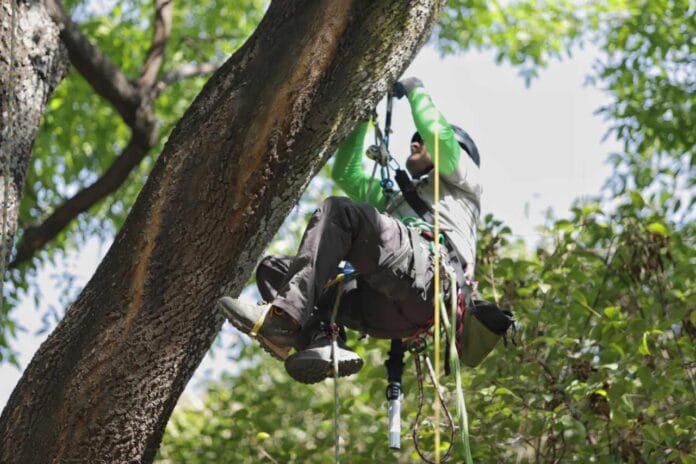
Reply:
x=417 y=166
x=416 y=174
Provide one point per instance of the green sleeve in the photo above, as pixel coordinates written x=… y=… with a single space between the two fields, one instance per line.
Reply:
x=348 y=172
x=428 y=120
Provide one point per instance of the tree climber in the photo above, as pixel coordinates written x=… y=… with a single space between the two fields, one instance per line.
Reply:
x=392 y=295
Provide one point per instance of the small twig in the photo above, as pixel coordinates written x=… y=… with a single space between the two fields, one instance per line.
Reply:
x=265 y=454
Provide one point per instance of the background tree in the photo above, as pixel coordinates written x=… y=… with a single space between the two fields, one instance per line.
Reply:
x=102 y=386
x=32 y=63
x=136 y=69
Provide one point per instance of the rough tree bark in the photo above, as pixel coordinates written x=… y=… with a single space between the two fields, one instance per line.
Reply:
x=39 y=62
x=133 y=100
x=102 y=386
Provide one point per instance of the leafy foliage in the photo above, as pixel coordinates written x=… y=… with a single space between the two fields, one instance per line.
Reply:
x=603 y=365
x=524 y=33
x=602 y=369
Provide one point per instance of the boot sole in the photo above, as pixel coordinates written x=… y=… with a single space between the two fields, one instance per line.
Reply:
x=280 y=353
x=307 y=368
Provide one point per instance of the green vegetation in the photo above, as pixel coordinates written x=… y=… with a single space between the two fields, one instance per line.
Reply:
x=603 y=365
x=604 y=361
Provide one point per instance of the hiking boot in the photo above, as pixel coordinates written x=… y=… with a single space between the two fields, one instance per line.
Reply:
x=314 y=363
x=272 y=327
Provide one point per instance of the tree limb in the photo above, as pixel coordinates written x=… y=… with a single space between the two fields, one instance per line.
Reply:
x=101 y=73
x=36 y=236
x=155 y=56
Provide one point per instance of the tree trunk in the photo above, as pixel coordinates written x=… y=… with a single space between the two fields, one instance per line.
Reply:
x=38 y=63
x=102 y=386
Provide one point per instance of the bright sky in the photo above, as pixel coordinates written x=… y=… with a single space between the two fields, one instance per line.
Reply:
x=540 y=148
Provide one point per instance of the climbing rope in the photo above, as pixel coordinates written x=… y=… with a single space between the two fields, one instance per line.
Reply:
x=6 y=240
x=421 y=401
x=380 y=154
x=455 y=366
x=347 y=274
x=334 y=359
x=436 y=297
x=450 y=326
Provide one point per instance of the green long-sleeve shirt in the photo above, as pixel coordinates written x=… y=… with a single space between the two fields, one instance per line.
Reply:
x=348 y=172
x=460 y=186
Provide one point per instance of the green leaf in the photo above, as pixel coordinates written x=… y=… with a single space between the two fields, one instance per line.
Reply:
x=644 y=350
x=612 y=312
x=637 y=199
x=658 y=228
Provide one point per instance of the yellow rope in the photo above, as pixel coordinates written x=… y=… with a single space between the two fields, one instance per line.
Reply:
x=255 y=330
x=436 y=322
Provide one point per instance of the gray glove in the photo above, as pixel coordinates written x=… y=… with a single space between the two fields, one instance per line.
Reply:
x=404 y=86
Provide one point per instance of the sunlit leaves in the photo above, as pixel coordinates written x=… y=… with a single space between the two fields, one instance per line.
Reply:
x=524 y=33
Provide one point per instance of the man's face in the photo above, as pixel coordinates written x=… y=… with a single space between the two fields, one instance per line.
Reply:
x=419 y=162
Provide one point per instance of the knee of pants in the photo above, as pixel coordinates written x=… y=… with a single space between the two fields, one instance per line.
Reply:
x=334 y=206
x=265 y=266
x=334 y=203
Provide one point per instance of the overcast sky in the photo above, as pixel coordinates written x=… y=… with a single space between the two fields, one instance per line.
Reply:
x=541 y=147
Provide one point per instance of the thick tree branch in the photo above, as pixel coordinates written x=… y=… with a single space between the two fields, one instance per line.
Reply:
x=103 y=385
x=104 y=76
x=36 y=236
x=155 y=56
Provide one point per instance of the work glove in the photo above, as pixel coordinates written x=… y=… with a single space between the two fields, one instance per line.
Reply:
x=404 y=86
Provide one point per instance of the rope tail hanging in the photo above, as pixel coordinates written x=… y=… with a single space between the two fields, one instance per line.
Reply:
x=339 y=280
x=450 y=326
x=334 y=358
x=436 y=321
x=455 y=367
x=421 y=401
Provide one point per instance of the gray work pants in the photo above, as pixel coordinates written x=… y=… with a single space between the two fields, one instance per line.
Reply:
x=383 y=301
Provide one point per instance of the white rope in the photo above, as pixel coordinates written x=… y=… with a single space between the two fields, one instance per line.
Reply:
x=334 y=359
